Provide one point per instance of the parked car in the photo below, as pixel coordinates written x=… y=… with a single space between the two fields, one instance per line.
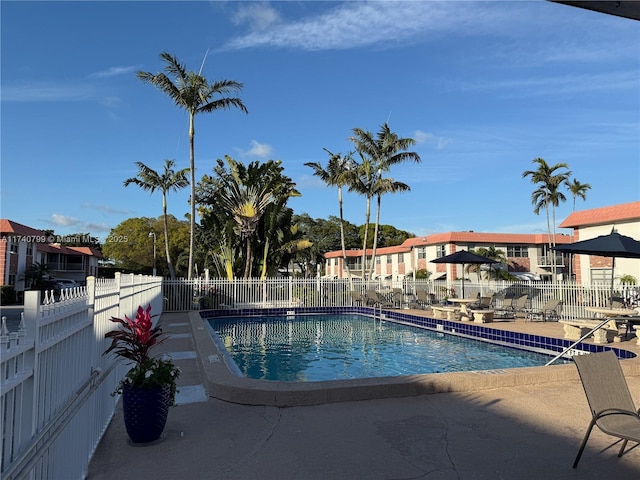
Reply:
x=65 y=283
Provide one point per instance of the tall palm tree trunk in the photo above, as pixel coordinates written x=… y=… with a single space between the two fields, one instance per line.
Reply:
x=342 y=240
x=549 y=242
x=192 y=168
x=172 y=272
x=375 y=238
x=366 y=234
x=247 y=264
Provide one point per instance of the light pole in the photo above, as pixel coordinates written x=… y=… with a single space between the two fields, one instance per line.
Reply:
x=153 y=234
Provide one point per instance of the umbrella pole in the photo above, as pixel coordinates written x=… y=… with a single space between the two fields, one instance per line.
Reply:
x=463 y=265
x=613 y=268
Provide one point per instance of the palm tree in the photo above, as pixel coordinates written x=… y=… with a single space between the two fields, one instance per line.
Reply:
x=384 y=150
x=170 y=180
x=192 y=92
x=361 y=180
x=489 y=252
x=547 y=194
x=578 y=189
x=335 y=174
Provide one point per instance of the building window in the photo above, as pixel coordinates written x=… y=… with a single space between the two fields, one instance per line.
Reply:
x=518 y=251
x=389 y=260
x=377 y=260
x=441 y=251
x=14 y=248
x=601 y=275
x=422 y=252
x=12 y=279
x=401 y=258
x=29 y=250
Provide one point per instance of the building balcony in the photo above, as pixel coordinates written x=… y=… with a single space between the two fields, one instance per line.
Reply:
x=547 y=261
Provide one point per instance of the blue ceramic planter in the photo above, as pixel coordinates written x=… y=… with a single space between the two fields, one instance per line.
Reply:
x=145 y=412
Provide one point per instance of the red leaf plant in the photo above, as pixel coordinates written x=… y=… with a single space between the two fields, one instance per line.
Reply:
x=133 y=340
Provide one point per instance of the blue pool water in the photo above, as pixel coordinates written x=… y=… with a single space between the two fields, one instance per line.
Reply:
x=347 y=346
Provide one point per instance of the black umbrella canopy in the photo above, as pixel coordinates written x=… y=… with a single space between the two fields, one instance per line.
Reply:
x=464 y=257
x=611 y=245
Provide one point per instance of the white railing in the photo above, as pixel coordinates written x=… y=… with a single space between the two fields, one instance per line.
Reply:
x=55 y=399
x=55 y=395
x=181 y=294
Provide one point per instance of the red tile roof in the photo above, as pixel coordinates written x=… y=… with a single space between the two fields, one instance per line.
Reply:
x=57 y=248
x=87 y=251
x=495 y=238
x=604 y=215
x=9 y=226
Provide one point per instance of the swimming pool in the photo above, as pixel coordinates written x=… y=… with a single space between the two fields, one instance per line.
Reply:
x=224 y=381
x=304 y=348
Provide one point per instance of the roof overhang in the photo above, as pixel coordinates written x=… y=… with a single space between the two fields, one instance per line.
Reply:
x=625 y=9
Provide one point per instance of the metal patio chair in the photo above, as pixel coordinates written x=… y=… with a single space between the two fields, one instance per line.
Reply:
x=610 y=401
x=520 y=306
x=550 y=311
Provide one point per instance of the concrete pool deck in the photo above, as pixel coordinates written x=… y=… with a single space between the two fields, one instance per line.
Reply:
x=487 y=432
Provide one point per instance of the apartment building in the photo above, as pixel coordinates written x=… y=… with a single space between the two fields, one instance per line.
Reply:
x=528 y=255
x=586 y=224
x=22 y=246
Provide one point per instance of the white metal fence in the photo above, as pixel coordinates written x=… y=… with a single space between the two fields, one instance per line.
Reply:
x=55 y=384
x=181 y=294
x=55 y=395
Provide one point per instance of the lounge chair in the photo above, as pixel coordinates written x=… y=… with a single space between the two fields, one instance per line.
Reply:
x=505 y=310
x=377 y=300
x=425 y=299
x=397 y=297
x=483 y=303
x=520 y=306
x=422 y=300
x=550 y=311
x=358 y=298
x=610 y=401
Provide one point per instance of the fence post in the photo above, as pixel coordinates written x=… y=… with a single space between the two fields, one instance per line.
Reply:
x=32 y=299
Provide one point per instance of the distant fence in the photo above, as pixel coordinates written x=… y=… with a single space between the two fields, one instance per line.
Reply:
x=55 y=395
x=182 y=294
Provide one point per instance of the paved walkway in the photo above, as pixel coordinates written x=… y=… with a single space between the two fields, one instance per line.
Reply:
x=529 y=432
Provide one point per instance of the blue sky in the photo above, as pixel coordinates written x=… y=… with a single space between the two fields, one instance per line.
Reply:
x=483 y=87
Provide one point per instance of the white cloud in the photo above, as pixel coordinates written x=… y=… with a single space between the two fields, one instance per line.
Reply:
x=558 y=85
x=425 y=137
x=261 y=150
x=96 y=227
x=114 y=72
x=63 y=220
x=356 y=24
x=259 y=16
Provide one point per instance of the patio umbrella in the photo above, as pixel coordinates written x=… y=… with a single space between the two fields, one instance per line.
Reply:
x=613 y=245
x=464 y=257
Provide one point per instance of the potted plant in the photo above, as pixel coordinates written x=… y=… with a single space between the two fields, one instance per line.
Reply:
x=149 y=388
